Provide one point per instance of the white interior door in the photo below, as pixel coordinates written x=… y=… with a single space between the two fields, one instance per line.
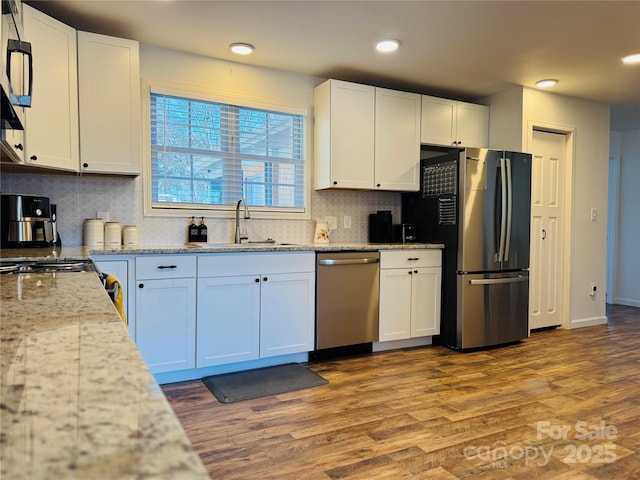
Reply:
x=547 y=195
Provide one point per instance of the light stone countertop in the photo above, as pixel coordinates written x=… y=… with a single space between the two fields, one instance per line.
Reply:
x=76 y=399
x=71 y=253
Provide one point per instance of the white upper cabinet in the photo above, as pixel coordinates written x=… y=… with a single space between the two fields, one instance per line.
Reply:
x=110 y=109
x=366 y=137
x=453 y=123
x=52 y=136
x=344 y=135
x=472 y=122
x=397 y=140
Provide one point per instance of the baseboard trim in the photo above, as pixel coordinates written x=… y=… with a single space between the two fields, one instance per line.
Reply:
x=197 y=373
x=629 y=302
x=397 y=344
x=588 y=322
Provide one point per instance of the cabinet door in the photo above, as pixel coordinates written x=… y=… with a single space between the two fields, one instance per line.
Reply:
x=438 y=121
x=425 y=302
x=228 y=322
x=287 y=313
x=395 y=304
x=343 y=139
x=166 y=323
x=15 y=138
x=52 y=135
x=397 y=140
x=472 y=126
x=110 y=109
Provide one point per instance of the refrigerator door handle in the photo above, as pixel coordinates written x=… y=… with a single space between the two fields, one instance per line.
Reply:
x=497 y=281
x=503 y=219
x=509 y=214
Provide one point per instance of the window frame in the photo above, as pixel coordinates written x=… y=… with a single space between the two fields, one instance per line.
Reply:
x=222 y=211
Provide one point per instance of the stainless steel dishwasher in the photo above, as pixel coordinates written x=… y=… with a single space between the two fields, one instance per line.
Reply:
x=347 y=291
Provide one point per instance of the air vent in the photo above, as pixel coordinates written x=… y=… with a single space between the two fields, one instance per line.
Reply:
x=439 y=179
x=447 y=211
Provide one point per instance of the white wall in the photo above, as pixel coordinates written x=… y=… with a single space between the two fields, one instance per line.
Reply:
x=587 y=182
x=588 y=243
x=627 y=270
x=80 y=197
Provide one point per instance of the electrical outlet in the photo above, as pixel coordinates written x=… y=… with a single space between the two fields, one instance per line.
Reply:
x=331 y=221
x=592 y=289
x=346 y=221
x=104 y=215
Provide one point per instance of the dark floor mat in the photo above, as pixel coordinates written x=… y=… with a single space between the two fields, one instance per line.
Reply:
x=262 y=382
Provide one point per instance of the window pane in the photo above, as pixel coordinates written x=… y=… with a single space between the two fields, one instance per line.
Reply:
x=259 y=154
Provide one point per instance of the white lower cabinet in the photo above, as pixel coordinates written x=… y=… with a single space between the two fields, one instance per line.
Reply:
x=166 y=311
x=409 y=293
x=287 y=313
x=228 y=320
x=254 y=305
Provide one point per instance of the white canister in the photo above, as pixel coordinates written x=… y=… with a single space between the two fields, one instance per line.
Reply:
x=94 y=232
x=112 y=234
x=129 y=235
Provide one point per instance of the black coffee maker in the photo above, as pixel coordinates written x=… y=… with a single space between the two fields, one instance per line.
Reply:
x=381 y=227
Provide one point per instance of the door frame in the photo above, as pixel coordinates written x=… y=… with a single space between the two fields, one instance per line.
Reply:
x=567 y=229
x=612 y=226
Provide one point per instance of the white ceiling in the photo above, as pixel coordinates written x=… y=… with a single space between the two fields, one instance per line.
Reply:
x=459 y=49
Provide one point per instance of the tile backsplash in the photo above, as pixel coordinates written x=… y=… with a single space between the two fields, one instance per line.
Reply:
x=81 y=197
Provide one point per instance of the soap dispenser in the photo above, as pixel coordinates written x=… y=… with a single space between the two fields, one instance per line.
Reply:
x=193 y=231
x=202 y=231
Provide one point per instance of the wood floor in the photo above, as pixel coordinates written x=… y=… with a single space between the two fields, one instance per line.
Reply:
x=564 y=404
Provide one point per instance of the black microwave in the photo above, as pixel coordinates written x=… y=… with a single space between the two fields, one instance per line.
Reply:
x=17 y=67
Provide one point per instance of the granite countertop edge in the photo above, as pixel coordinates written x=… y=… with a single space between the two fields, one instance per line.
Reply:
x=80 y=252
x=75 y=385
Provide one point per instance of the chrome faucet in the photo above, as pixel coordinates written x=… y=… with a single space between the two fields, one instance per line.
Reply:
x=247 y=215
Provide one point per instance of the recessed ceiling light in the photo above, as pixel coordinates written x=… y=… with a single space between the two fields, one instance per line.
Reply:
x=633 y=58
x=549 y=82
x=387 y=46
x=241 y=48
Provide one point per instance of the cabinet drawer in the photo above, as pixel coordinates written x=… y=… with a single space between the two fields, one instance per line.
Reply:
x=232 y=264
x=410 y=258
x=165 y=266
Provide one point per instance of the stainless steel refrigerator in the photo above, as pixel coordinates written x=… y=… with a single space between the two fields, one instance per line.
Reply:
x=478 y=203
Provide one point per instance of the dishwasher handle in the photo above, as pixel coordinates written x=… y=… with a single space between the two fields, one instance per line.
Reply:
x=347 y=261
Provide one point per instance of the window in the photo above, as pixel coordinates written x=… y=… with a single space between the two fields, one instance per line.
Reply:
x=208 y=155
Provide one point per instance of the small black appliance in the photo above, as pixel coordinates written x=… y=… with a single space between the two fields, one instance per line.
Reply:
x=381 y=227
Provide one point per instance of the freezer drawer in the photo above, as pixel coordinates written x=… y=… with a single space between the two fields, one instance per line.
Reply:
x=492 y=309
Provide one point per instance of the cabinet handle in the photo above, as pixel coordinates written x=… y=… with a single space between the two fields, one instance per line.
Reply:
x=415 y=271
x=33 y=157
x=377 y=185
x=410 y=272
x=85 y=165
x=264 y=279
x=18 y=147
x=257 y=280
x=413 y=259
x=167 y=266
x=141 y=285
